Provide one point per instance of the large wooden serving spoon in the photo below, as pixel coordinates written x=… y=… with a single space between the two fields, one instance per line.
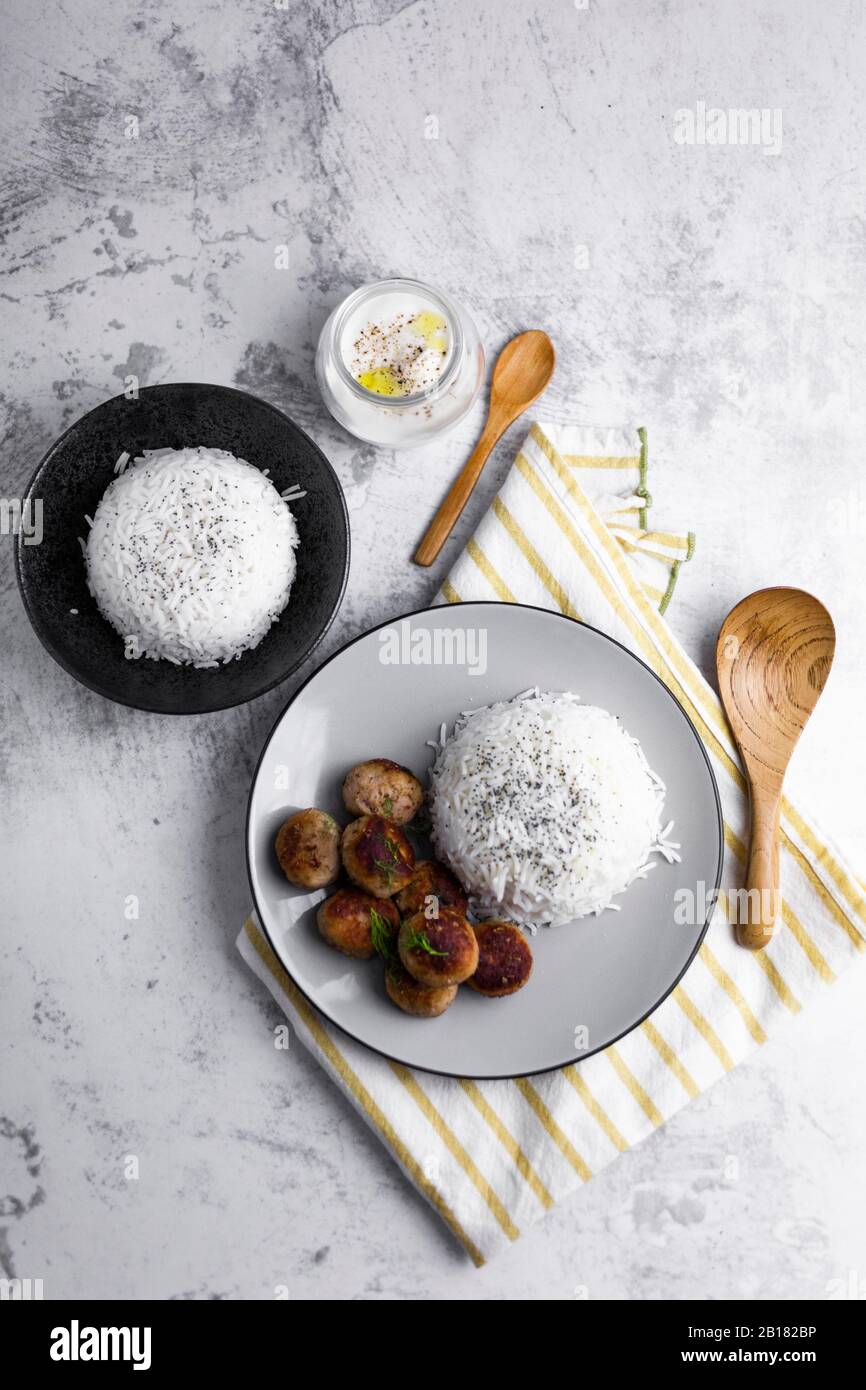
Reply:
x=523 y=370
x=773 y=657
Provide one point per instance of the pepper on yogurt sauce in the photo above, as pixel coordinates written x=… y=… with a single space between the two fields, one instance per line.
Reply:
x=401 y=355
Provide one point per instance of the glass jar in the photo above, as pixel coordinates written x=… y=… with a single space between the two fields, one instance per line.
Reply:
x=398 y=421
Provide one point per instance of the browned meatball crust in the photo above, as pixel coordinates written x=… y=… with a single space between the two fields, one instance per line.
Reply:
x=504 y=959
x=308 y=848
x=383 y=788
x=377 y=856
x=438 y=950
x=357 y=924
x=431 y=879
x=414 y=998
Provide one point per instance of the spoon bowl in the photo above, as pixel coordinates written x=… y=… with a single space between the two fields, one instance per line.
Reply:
x=773 y=658
x=523 y=370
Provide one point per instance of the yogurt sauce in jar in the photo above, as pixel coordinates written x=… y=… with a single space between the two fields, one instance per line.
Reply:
x=398 y=363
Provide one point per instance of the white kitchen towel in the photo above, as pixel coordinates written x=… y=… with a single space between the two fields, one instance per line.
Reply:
x=570 y=531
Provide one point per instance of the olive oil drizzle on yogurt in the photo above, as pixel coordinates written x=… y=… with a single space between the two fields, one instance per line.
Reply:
x=403 y=355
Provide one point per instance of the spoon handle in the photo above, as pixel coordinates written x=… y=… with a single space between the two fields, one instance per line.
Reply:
x=458 y=495
x=755 y=927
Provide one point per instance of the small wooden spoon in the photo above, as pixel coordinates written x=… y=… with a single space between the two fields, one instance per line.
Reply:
x=523 y=370
x=773 y=657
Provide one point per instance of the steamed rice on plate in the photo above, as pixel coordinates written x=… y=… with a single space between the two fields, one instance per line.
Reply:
x=191 y=555
x=546 y=809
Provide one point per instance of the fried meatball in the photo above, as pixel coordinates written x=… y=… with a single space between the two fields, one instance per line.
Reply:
x=439 y=950
x=414 y=998
x=382 y=788
x=431 y=879
x=504 y=959
x=377 y=856
x=308 y=848
x=357 y=924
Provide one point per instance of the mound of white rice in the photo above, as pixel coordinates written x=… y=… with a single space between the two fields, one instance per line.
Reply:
x=545 y=808
x=191 y=555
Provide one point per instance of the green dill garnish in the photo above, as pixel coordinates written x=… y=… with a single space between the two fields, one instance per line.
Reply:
x=386 y=870
x=380 y=930
x=388 y=804
x=422 y=941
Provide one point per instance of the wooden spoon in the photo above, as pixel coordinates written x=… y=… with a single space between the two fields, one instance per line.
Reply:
x=773 y=657
x=523 y=370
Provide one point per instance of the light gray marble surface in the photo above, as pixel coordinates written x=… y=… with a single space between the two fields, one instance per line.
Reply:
x=723 y=306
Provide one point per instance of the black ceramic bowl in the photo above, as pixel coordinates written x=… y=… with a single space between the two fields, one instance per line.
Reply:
x=70 y=481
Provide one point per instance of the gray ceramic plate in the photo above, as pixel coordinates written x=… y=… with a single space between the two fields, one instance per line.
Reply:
x=593 y=980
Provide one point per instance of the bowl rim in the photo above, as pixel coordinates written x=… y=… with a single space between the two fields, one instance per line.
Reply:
x=316 y=1004
x=35 y=620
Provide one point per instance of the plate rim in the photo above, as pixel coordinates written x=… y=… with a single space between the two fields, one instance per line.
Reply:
x=35 y=621
x=567 y=1061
